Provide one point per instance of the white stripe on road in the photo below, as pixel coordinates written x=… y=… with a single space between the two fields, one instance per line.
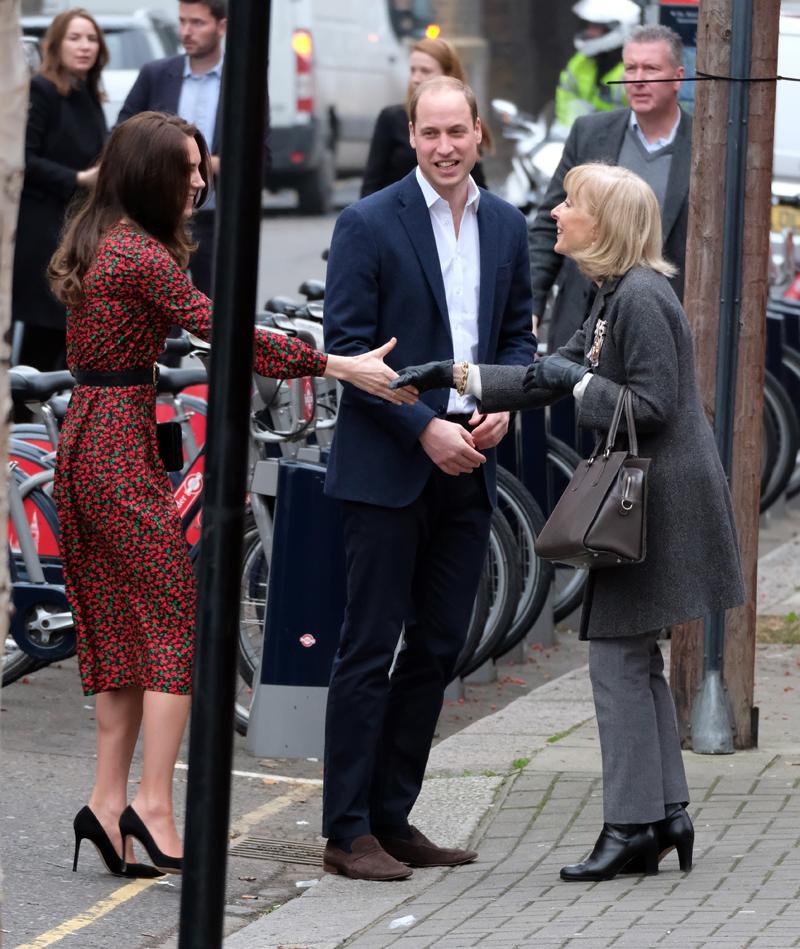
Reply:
x=266 y=776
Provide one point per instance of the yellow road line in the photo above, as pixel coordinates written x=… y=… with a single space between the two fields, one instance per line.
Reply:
x=240 y=826
x=71 y=926
x=247 y=821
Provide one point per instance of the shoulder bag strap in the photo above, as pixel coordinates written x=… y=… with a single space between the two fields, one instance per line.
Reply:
x=633 y=443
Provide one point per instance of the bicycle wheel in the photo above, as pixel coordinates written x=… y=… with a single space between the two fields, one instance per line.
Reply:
x=526 y=520
x=34 y=604
x=253 y=607
x=790 y=362
x=477 y=622
x=505 y=586
x=16 y=662
x=562 y=460
x=779 y=405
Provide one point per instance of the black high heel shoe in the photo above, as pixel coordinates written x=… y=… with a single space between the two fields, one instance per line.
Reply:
x=673 y=832
x=616 y=847
x=88 y=827
x=131 y=825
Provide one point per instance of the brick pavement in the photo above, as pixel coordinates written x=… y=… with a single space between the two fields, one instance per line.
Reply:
x=744 y=890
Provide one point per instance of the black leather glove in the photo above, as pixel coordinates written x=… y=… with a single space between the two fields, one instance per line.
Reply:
x=553 y=372
x=430 y=375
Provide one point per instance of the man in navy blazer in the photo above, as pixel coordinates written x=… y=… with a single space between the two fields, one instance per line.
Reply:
x=190 y=86
x=443 y=266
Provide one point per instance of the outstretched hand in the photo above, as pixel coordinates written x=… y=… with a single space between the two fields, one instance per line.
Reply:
x=369 y=372
x=429 y=375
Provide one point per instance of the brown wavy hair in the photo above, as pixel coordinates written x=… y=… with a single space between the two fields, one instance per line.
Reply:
x=143 y=177
x=446 y=56
x=53 y=69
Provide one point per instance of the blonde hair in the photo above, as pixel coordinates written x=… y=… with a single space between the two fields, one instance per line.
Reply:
x=627 y=219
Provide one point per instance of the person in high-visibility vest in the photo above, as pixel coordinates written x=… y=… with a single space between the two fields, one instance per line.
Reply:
x=582 y=85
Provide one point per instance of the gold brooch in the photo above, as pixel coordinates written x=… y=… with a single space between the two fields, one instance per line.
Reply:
x=597 y=342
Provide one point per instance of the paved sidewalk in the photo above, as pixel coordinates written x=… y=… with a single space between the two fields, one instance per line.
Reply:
x=523 y=785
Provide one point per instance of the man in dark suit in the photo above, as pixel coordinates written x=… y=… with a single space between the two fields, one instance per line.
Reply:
x=654 y=139
x=443 y=266
x=190 y=86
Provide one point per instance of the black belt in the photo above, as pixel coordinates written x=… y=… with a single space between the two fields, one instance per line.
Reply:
x=147 y=376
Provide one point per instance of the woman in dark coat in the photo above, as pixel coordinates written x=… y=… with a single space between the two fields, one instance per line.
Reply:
x=65 y=132
x=636 y=335
x=391 y=156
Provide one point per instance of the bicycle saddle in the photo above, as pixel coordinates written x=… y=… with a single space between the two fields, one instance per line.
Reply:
x=312 y=289
x=285 y=305
x=175 y=381
x=30 y=385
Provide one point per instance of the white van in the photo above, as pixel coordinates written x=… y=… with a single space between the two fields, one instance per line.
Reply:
x=333 y=65
x=786 y=154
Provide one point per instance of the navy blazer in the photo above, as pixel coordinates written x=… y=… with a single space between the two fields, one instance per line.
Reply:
x=384 y=280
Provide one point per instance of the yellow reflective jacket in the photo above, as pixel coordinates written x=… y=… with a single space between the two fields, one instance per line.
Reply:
x=579 y=92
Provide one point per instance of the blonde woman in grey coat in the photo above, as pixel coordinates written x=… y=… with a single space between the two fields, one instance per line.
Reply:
x=636 y=335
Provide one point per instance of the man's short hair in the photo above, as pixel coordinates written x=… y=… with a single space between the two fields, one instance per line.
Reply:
x=442 y=84
x=657 y=33
x=217 y=8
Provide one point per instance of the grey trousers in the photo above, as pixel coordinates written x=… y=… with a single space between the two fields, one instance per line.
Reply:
x=642 y=765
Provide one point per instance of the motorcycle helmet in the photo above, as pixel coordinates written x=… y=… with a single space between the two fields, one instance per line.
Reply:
x=617 y=16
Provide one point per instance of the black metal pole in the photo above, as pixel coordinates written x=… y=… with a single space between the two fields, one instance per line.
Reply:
x=238 y=224
x=711 y=729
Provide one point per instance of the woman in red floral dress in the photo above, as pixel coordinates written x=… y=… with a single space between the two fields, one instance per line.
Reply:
x=120 y=270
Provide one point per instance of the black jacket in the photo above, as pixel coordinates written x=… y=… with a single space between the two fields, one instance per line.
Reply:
x=599 y=137
x=391 y=156
x=64 y=135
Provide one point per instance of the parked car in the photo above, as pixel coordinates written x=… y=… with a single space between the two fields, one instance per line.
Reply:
x=332 y=68
x=133 y=40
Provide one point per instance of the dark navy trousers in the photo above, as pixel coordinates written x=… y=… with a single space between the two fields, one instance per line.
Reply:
x=415 y=568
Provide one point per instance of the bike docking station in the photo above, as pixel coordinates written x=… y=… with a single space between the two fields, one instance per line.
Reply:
x=304 y=610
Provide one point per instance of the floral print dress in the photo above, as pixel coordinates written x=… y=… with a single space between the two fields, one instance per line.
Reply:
x=127 y=571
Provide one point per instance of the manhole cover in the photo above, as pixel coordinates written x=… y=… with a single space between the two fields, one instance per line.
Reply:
x=282 y=851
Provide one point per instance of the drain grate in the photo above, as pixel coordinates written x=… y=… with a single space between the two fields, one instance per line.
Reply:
x=281 y=851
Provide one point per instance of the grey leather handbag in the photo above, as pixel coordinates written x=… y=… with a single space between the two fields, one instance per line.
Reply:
x=600 y=519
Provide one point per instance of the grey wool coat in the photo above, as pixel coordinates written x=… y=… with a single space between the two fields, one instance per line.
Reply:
x=692 y=564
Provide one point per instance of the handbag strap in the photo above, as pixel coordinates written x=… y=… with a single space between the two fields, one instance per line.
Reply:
x=633 y=441
x=624 y=403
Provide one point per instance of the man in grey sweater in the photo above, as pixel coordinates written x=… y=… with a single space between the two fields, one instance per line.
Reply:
x=653 y=139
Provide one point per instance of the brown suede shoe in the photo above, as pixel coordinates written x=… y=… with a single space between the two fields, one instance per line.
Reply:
x=418 y=851
x=367 y=861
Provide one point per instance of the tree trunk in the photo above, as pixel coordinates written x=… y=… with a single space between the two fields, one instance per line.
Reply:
x=702 y=298
x=13 y=110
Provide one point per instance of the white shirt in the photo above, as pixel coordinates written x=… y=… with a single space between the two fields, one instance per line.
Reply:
x=659 y=142
x=460 y=263
x=198 y=103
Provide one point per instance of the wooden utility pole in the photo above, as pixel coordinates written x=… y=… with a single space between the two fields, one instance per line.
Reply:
x=702 y=303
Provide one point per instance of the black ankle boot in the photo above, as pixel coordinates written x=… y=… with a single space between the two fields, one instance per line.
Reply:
x=616 y=846
x=676 y=832
x=673 y=832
